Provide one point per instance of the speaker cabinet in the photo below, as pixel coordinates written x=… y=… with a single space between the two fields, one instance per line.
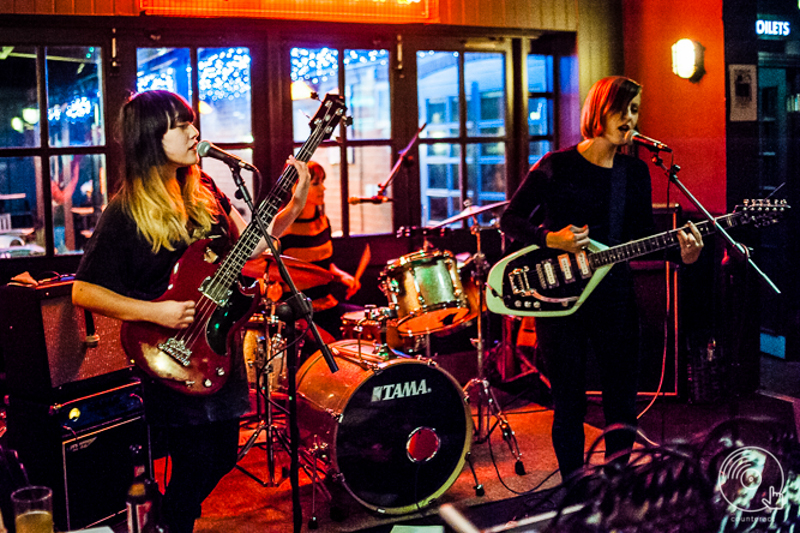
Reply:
x=46 y=345
x=81 y=449
x=657 y=299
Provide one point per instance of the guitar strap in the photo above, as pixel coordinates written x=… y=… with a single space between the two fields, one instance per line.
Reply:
x=617 y=200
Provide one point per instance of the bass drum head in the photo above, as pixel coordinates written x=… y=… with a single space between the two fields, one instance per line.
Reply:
x=403 y=437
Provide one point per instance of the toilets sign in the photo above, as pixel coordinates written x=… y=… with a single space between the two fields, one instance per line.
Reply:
x=773 y=28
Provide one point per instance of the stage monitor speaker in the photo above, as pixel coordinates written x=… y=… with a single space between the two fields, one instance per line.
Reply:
x=81 y=448
x=47 y=342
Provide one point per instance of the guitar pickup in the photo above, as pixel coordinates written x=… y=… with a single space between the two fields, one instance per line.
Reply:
x=548 y=275
x=566 y=268
x=583 y=264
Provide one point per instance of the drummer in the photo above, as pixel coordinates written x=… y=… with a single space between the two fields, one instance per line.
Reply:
x=308 y=238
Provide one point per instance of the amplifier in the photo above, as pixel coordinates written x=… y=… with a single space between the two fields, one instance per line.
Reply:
x=81 y=448
x=46 y=345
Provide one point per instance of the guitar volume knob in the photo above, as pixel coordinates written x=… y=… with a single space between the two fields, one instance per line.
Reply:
x=207 y=383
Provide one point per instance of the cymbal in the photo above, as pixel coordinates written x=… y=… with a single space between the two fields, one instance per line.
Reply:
x=305 y=275
x=470 y=211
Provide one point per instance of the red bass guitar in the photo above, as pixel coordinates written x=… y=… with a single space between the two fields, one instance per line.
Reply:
x=196 y=360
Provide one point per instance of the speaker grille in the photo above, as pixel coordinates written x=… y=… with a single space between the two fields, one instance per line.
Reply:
x=70 y=357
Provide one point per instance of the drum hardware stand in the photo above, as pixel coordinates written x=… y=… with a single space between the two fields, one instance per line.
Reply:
x=481 y=384
x=296 y=306
x=267 y=350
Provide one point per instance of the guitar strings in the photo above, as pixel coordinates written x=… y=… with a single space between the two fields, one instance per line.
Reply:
x=206 y=306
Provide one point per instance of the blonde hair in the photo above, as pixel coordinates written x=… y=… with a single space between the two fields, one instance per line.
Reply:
x=608 y=95
x=162 y=209
x=166 y=211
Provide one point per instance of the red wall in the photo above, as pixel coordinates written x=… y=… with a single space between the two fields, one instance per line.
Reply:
x=689 y=117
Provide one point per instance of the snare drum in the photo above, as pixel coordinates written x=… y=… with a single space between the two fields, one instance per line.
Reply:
x=397 y=432
x=357 y=325
x=425 y=288
x=263 y=346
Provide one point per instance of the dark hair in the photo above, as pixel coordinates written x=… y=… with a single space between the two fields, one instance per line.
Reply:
x=609 y=95
x=144 y=120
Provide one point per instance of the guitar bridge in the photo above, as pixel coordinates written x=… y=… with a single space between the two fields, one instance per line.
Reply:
x=177 y=350
x=518 y=278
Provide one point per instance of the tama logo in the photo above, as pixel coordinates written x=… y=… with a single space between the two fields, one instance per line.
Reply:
x=399 y=390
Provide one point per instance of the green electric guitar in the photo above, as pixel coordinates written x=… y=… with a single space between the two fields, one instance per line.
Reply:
x=539 y=281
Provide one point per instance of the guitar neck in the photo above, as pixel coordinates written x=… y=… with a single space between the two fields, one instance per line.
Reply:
x=662 y=241
x=219 y=287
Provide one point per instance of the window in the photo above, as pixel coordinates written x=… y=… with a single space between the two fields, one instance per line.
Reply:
x=52 y=152
x=358 y=159
x=462 y=101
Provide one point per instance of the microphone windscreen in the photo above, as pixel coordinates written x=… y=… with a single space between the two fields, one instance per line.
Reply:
x=203 y=147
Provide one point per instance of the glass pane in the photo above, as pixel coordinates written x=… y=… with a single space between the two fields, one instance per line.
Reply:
x=168 y=69
x=484 y=85
x=370 y=167
x=539 y=116
x=78 y=187
x=21 y=227
x=366 y=78
x=225 y=96
x=540 y=73
x=222 y=177
x=437 y=85
x=332 y=163
x=536 y=150
x=313 y=70
x=74 y=96
x=19 y=107
x=439 y=181
x=486 y=175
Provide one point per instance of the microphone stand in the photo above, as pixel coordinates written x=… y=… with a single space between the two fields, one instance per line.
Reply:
x=402 y=159
x=296 y=306
x=739 y=253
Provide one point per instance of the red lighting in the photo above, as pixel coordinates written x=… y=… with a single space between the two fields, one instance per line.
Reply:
x=391 y=11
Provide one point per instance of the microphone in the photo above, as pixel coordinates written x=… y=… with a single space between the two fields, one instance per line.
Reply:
x=354 y=200
x=651 y=144
x=206 y=149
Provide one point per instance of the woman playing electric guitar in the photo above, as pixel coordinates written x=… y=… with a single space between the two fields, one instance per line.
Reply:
x=568 y=194
x=166 y=203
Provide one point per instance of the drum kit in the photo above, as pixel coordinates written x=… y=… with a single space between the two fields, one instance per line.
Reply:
x=393 y=428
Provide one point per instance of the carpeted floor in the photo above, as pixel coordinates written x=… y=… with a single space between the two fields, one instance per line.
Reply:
x=241 y=504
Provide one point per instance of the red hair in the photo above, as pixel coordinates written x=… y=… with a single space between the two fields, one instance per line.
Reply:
x=609 y=95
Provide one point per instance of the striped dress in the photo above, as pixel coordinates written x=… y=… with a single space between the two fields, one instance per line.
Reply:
x=309 y=239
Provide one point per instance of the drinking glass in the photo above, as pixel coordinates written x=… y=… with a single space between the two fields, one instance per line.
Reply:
x=33 y=509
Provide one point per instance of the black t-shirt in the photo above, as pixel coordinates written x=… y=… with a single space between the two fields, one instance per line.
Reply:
x=564 y=188
x=120 y=259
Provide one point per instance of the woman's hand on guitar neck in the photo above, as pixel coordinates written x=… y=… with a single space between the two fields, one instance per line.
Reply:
x=570 y=239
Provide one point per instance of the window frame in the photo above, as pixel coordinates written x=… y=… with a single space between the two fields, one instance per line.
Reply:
x=269 y=43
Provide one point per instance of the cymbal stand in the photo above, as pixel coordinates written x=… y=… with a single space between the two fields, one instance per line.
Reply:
x=480 y=384
x=265 y=364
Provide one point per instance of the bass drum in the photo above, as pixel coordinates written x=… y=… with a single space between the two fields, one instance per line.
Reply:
x=396 y=433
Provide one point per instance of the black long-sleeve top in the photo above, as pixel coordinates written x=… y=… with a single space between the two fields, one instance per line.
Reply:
x=564 y=188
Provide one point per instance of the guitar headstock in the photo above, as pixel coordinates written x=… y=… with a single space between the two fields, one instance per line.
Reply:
x=330 y=112
x=762 y=212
